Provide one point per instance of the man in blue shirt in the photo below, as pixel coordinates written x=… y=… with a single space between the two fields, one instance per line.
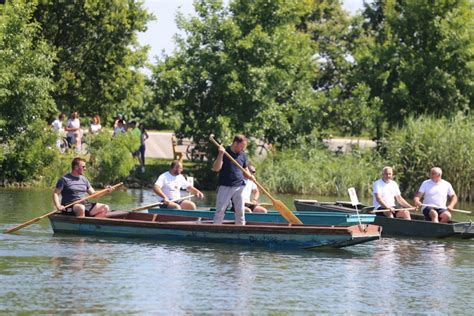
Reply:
x=231 y=180
x=73 y=187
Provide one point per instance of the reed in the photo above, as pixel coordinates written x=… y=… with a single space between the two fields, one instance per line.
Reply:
x=428 y=142
x=320 y=172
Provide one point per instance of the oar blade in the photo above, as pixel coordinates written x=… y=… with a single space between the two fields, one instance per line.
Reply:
x=285 y=212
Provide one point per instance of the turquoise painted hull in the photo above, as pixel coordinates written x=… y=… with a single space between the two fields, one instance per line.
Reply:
x=313 y=218
x=156 y=226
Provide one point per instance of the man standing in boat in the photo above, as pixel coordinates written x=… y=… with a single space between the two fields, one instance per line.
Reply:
x=231 y=180
x=74 y=186
x=386 y=192
x=169 y=186
x=435 y=192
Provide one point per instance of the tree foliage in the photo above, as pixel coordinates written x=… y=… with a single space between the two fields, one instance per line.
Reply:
x=416 y=56
x=245 y=68
x=26 y=67
x=97 y=70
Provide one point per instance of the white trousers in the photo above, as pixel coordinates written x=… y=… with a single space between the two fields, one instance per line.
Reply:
x=224 y=196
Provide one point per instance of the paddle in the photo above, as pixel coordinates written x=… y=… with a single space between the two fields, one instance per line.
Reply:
x=454 y=210
x=141 y=208
x=94 y=195
x=277 y=204
x=396 y=210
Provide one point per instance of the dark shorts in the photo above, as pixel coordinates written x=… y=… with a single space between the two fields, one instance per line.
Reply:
x=250 y=206
x=69 y=212
x=382 y=214
x=177 y=202
x=427 y=209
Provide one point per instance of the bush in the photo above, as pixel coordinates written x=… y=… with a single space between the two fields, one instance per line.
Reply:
x=111 y=157
x=31 y=156
x=427 y=142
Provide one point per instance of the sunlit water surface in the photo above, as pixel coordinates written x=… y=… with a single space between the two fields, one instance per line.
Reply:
x=45 y=273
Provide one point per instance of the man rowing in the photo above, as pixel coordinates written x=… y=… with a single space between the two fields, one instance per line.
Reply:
x=435 y=192
x=386 y=192
x=73 y=187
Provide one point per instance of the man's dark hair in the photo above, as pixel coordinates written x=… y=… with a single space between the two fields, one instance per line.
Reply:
x=239 y=138
x=174 y=163
x=75 y=162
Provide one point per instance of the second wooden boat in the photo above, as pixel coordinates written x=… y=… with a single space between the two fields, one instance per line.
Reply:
x=416 y=227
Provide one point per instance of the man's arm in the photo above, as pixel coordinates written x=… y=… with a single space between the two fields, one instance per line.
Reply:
x=402 y=201
x=217 y=165
x=195 y=191
x=157 y=190
x=381 y=201
x=417 y=199
x=452 y=202
x=57 y=203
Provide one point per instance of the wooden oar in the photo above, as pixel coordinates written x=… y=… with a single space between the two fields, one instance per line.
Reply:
x=277 y=204
x=94 y=195
x=454 y=210
x=396 y=210
x=141 y=208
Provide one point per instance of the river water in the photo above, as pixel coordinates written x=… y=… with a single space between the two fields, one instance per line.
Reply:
x=62 y=274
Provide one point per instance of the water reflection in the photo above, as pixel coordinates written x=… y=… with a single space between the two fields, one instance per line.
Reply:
x=45 y=273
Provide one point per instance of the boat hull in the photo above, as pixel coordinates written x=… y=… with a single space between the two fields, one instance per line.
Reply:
x=155 y=226
x=319 y=218
x=417 y=227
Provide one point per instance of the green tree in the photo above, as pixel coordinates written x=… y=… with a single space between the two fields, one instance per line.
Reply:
x=26 y=67
x=245 y=68
x=97 y=71
x=417 y=56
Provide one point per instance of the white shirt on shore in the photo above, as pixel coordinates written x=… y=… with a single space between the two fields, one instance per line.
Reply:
x=436 y=193
x=387 y=190
x=172 y=185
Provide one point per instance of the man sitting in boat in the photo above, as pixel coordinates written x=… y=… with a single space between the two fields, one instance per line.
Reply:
x=252 y=206
x=435 y=192
x=386 y=192
x=74 y=186
x=169 y=186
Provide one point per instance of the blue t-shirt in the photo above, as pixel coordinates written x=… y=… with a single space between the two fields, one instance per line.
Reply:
x=72 y=188
x=230 y=175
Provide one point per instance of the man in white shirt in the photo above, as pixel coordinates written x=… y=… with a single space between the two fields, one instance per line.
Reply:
x=169 y=186
x=252 y=205
x=386 y=192
x=435 y=192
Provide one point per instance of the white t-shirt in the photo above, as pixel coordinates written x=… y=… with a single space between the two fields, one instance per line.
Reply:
x=247 y=192
x=75 y=123
x=388 y=192
x=57 y=125
x=172 y=185
x=436 y=193
x=95 y=128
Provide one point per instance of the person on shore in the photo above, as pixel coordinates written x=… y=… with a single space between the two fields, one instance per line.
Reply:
x=74 y=186
x=386 y=192
x=95 y=126
x=169 y=185
x=435 y=192
x=252 y=205
x=74 y=132
x=231 y=180
x=143 y=137
x=119 y=128
x=57 y=124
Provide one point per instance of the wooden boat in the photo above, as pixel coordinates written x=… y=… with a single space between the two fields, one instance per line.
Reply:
x=156 y=226
x=316 y=218
x=416 y=227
